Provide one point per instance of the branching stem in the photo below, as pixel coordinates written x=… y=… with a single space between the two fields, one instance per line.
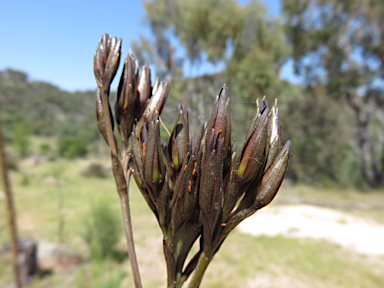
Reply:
x=123 y=195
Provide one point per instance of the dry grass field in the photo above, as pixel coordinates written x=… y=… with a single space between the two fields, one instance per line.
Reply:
x=243 y=261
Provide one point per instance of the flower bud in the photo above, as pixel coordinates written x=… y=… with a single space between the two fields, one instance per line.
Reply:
x=183 y=203
x=154 y=105
x=106 y=60
x=144 y=88
x=137 y=157
x=154 y=170
x=125 y=98
x=179 y=141
x=274 y=137
x=220 y=121
x=100 y=115
x=137 y=170
x=273 y=177
x=155 y=85
x=253 y=155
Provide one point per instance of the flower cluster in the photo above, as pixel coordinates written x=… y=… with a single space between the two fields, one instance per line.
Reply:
x=196 y=186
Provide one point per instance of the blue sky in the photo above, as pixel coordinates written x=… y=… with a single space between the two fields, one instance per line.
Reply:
x=54 y=41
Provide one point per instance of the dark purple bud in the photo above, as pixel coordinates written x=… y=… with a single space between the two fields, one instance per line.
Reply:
x=125 y=98
x=220 y=121
x=262 y=105
x=106 y=60
x=253 y=152
x=273 y=177
x=157 y=101
x=100 y=115
x=154 y=106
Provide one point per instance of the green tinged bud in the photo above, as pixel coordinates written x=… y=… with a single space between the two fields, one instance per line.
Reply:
x=152 y=167
x=253 y=155
x=179 y=141
x=137 y=156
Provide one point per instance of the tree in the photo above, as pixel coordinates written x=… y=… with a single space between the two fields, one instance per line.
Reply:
x=11 y=211
x=246 y=48
x=339 y=44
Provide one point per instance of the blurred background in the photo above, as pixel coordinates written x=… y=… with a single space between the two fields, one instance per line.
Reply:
x=322 y=59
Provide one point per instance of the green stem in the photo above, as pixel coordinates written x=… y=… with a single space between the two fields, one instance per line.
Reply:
x=199 y=271
x=125 y=207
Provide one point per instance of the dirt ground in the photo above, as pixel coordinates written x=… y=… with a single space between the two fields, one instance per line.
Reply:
x=352 y=232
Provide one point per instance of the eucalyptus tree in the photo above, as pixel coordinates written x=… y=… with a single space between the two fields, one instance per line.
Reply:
x=339 y=45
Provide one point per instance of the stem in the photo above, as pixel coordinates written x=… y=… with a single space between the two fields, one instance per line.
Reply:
x=170 y=262
x=108 y=120
x=124 y=201
x=10 y=211
x=189 y=269
x=123 y=195
x=199 y=271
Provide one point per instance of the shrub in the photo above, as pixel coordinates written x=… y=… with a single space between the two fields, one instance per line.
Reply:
x=72 y=147
x=20 y=139
x=102 y=230
x=96 y=170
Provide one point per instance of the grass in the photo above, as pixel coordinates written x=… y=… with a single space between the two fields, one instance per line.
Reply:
x=283 y=262
x=244 y=261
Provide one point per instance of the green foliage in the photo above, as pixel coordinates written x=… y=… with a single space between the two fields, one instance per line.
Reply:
x=21 y=139
x=74 y=141
x=72 y=146
x=102 y=230
x=45 y=149
x=25 y=180
x=101 y=275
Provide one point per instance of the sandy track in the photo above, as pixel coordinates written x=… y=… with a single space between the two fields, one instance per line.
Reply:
x=356 y=233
